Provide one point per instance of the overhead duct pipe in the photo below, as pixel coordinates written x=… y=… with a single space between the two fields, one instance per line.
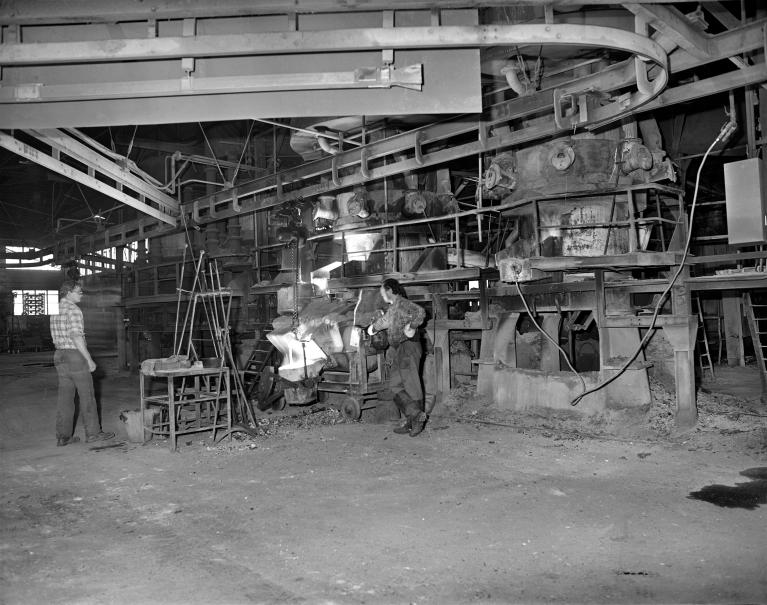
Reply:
x=512 y=77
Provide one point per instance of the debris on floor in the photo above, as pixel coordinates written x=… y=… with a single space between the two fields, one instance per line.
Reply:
x=725 y=422
x=283 y=425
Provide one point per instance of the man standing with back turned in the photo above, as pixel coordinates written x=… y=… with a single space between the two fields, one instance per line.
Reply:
x=74 y=365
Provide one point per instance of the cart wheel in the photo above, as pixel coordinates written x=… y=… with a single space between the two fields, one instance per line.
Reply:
x=264 y=388
x=279 y=404
x=350 y=408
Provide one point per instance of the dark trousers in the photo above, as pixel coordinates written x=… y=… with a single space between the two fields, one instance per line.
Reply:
x=74 y=377
x=405 y=376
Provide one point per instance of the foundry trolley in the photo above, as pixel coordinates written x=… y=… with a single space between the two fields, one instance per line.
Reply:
x=359 y=386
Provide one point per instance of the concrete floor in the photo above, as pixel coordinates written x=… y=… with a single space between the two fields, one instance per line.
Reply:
x=351 y=513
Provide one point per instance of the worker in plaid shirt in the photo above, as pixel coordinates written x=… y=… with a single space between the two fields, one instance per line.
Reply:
x=401 y=322
x=74 y=365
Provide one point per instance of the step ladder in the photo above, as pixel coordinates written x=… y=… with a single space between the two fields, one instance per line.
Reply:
x=756 y=313
x=261 y=357
x=701 y=340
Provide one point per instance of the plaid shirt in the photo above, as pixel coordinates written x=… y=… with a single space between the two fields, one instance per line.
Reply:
x=399 y=314
x=68 y=323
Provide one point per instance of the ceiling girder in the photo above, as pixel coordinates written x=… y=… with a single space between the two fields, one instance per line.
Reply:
x=325 y=41
x=410 y=77
x=722 y=14
x=674 y=25
x=744 y=39
x=71 y=147
x=52 y=162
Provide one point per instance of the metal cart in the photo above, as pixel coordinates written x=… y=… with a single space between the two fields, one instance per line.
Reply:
x=359 y=386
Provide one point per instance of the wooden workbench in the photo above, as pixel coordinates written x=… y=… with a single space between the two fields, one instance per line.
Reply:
x=194 y=400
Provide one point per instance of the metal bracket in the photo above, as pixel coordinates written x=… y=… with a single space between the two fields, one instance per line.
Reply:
x=364 y=170
x=482 y=134
x=417 y=148
x=334 y=171
x=236 y=205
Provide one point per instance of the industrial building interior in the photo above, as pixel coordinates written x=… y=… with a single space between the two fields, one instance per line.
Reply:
x=573 y=191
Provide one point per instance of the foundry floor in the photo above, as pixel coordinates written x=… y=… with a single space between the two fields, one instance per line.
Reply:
x=351 y=513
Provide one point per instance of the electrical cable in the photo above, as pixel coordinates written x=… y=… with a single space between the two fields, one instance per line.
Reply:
x=244 y=148
x=724 y=133
x=547 y=335
x=213 y=153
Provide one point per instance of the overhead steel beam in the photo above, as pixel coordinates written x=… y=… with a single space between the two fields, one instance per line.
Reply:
x=44 y=12
x=56 y=165
x=670 y=22
x=73 y=148
x=722 y=14
x=339 y=40
x=368 y=77
x=268 y=192
x=748 y=76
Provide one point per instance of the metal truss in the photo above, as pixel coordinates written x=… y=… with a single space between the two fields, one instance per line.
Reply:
x=146 y=198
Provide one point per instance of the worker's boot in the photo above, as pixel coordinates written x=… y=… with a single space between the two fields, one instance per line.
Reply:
x=403 y=429
x=417 y=423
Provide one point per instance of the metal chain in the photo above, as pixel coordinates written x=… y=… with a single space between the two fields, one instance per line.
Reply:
x=293 y=247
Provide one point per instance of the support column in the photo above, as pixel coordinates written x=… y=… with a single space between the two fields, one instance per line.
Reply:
x=122 y=352
x=134 y=355
x=733 y=328
x=442 y=359
x=441 y=346
x=550 y=353
x=498 y=345
x=682 y=339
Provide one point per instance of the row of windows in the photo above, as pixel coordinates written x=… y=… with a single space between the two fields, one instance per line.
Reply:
x=35 y=302
x=88 y=266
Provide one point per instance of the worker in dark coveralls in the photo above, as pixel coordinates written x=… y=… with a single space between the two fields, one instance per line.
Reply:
x=74 y=365
x=401 y=321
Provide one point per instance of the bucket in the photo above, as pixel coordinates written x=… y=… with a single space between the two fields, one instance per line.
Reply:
x=138 y=431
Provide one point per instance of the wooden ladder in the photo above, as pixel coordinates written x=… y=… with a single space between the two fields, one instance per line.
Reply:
x=259 y=358
x=704 y=354
x=757 y=322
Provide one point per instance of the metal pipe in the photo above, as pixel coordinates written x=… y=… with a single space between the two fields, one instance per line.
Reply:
x=314 y=133
x=512 y=77
x=190 y=307
x=178 y=303
x=327 y=147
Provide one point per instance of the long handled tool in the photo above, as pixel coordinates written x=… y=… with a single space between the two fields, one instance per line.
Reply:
x=178 y=303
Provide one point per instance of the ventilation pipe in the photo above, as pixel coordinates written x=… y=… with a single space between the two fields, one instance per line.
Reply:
x=512 y=77
x=326 y=146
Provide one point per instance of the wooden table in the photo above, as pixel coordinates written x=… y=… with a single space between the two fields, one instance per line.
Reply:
x=194 y=400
